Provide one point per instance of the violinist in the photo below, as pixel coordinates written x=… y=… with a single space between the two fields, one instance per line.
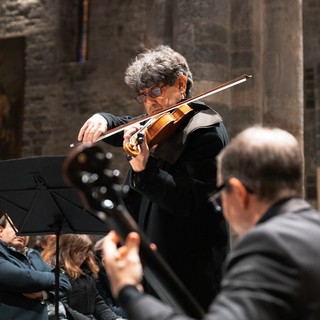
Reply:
x=170 y=182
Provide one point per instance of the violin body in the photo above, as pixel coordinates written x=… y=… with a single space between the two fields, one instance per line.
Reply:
x=165 y=126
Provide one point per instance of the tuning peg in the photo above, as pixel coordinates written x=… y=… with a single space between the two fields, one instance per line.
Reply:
x=140 y=138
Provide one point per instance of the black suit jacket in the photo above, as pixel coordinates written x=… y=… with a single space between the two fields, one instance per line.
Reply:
x=169 y=200
x=21 y=274
x=273 y=274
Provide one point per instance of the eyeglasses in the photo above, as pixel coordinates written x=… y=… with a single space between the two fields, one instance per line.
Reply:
x=215 y=198
x=153 y=93
x=82 y=254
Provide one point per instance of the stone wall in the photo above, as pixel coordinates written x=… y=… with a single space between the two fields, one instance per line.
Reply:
x=220 y=39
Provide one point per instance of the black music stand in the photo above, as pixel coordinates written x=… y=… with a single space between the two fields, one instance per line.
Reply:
x=35 y=197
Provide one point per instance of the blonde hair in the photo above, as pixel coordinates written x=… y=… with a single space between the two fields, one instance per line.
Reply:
x=68 y=246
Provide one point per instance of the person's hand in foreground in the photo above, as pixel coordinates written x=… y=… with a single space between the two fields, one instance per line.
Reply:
x=122 y=264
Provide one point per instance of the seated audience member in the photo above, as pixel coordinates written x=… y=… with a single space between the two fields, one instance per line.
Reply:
x=26 y=281
x=78 y=262
x=273 y=272
x=43 y=240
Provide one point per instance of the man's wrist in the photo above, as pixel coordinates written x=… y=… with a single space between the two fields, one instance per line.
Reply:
x=128 y=292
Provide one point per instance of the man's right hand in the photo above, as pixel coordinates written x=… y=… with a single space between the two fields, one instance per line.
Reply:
x=93 y=128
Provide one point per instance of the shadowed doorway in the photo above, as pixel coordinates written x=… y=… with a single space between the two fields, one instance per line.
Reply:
x=12 y=57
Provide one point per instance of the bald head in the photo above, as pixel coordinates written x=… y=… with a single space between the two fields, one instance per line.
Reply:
x=267 y=160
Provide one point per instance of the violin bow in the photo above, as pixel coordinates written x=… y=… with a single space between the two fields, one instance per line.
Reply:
x=214 y=90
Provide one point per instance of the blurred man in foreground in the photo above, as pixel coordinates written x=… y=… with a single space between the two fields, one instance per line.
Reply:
x=273 y=272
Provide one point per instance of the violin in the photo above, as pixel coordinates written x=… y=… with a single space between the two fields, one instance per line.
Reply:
x=159 y=130
x=161 y=125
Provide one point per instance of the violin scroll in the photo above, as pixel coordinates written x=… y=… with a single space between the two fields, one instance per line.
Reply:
x=132 y=147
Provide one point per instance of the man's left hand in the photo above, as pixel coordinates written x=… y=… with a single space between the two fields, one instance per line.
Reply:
x=122 y=264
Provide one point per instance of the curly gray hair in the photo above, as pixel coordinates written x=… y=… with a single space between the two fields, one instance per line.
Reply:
x=155 y=66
